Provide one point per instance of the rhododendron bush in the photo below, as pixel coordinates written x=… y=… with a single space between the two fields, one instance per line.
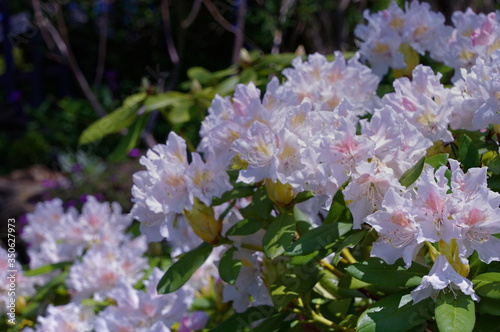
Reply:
x=320 y=203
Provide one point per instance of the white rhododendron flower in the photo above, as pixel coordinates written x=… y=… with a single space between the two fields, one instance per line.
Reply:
x=480 y=91
x=441 y=276
x=69 y=318
x=140 y=311
x=398 y=230
x=104 y=267
x=424 y=102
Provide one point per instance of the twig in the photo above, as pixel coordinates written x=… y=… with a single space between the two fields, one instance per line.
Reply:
x=192 y=14
x=45 y=25
x=103 y=39
x=165 y=14
x=238 y=36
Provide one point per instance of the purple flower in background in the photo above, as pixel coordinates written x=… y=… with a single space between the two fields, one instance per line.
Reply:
x=83 y=198
x=49 y=184
x=134 y=153
x=99 y=197
x=76 y=168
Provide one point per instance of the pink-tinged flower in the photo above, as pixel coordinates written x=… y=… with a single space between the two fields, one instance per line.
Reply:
x=478 y=221
x=398 y=144
x=397 y=228
x=434 y=208
x=424 y=102
x=480 y=89
x=326 y=83
x=441 y=276
x=366 y=190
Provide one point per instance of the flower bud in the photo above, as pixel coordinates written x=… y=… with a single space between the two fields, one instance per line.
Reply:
x=281 y=194
x=202 y=221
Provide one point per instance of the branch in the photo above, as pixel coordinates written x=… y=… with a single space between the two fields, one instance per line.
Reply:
x=165 y=14
x=45 y=25
x=103 y=39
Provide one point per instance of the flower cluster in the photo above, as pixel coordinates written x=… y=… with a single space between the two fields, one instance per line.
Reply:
x=460 y=216
x=392 y=36
x=106 y=264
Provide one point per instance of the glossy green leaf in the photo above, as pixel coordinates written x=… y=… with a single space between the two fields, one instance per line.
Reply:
x=129 y=141
x=200 y=74
x=243 y=321
x=468 y=153
x=396 y=312
x=279 y=235
x=293 y=284
x=276 y=323
x=412 y=174
x=488 y=285
x=245 y=227
x=227 y=86
x=260 y=208
x=375 y=271
x=180 y=272
x=318 y=238
x=455 y=312
x=236 y=192
x=114 y=121
x=229 y=268
x=437 y=160
x=167 y=99
x=350 y=242
x=494 y=165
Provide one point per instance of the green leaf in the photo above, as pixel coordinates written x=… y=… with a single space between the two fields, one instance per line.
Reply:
x=338 y=210
x=396 y=312
x=275 y=323
x=349 y=241
x=130 y=140
x=412 y=174
x=180 y=272
x=494 y=165
x=114 y=121
x=486 y=323
x=489 y=306
x=236 y=192
x=179 y=114
x=245 y=227
x=248 y=75
x=227 y=86
x=302 y=197
x=243 y=321
x=293 y=284
x=455 y=312
x=468 y=153
x=200 y=74
x=279 y=235
x=47 y=268
x=437 y=160
x=488 y=285
x=229 y=268
x=317 y=238
x=260 y=208
x=375 y=271
x=173 y=99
